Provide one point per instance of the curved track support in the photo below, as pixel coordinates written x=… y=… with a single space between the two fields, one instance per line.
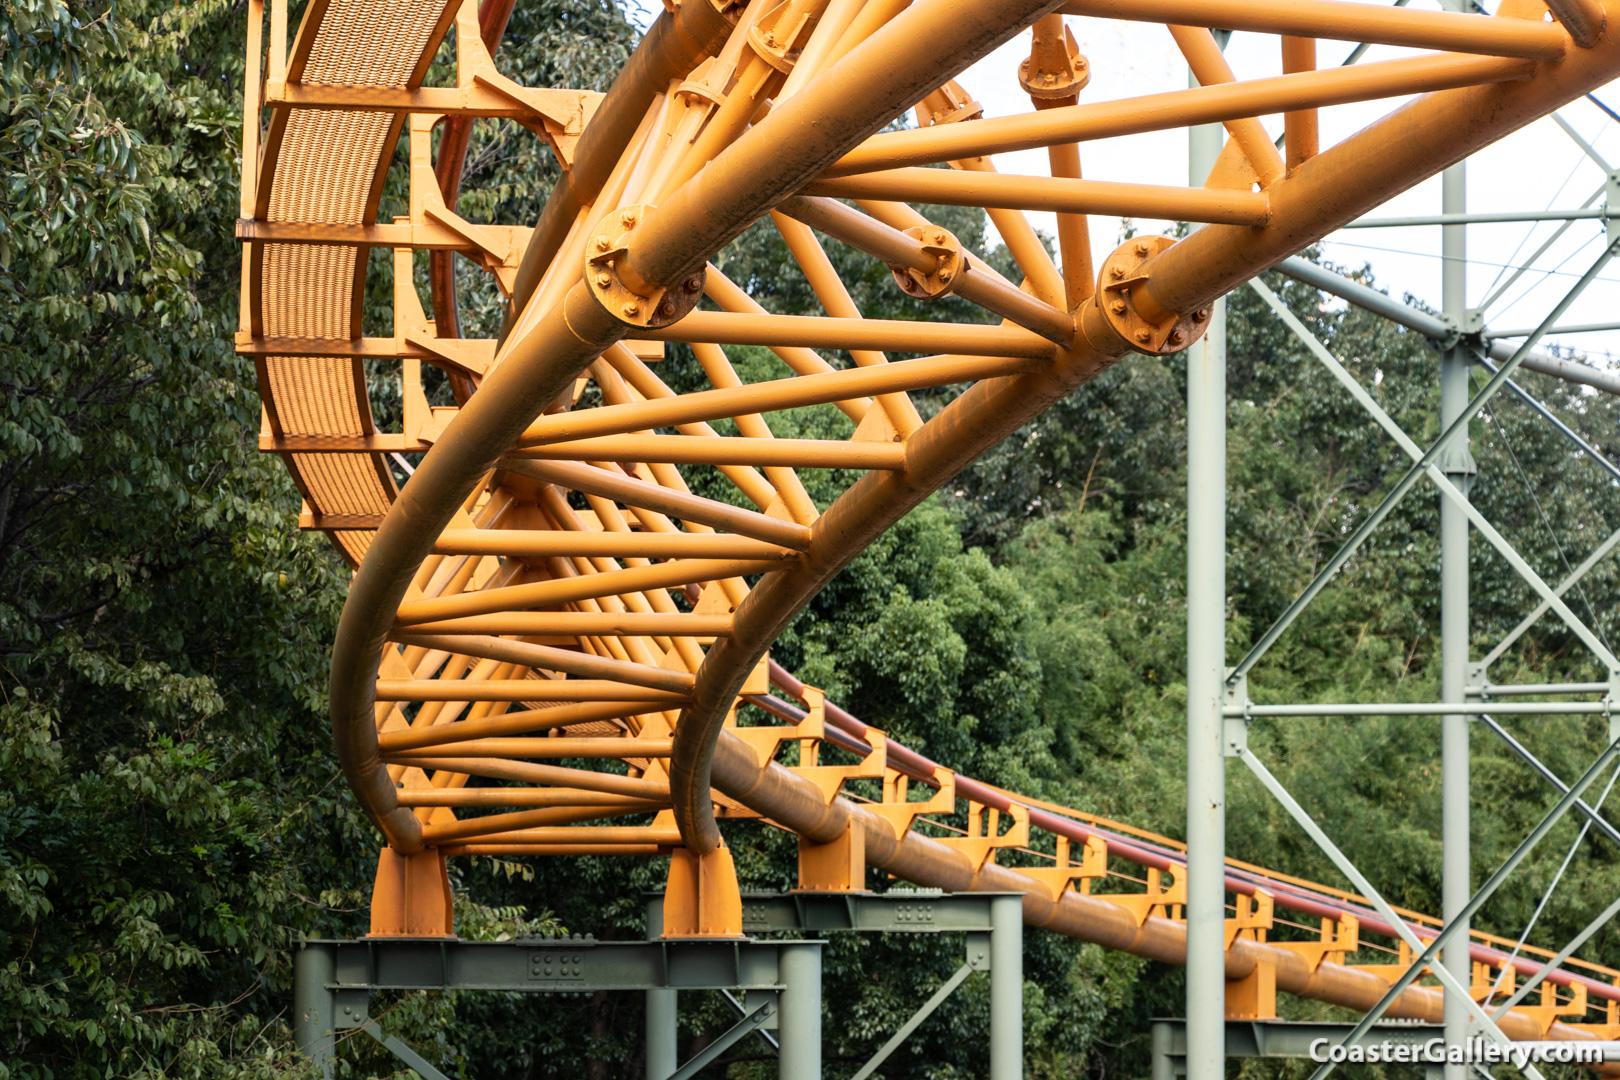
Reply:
x=546 y=586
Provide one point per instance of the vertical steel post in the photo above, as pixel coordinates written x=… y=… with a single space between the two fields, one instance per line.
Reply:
x=1163 y=1041
x=1007 y=988
x=1206 y=674
x=799 y=1011
x=1456 y=879
x=661 y=1008
x=314 y=1002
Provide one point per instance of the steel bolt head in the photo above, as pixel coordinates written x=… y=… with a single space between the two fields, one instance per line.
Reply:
x=939 y=237
x=603 y=243
x=1141 y=247
x=1177 y=337
x=603 y=281
x=631 y=309
x=1117 y=272
x=1201 y=314
x=1117 y=307
x=667 y=308
x=694 y=283
x=1144 y=335
x=628 y=218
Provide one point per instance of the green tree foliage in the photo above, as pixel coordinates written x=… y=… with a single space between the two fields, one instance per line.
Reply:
x=171 y=817
x=166 y=787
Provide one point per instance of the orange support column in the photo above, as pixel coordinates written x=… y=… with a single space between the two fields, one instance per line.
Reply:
x=1253 y=997
x=839 y=866
x=411 y=897
x=702 y=899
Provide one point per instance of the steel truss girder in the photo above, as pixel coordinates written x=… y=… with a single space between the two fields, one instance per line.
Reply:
x=899 y=911
x=1484 y=893
x=1422 y=465
x=1427 y=462
x=334 y=980
x=1570 y=796
x=543 y=965
x=1454 y=990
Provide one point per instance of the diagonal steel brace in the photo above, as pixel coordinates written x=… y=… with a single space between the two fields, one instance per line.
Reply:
x=1426 y=463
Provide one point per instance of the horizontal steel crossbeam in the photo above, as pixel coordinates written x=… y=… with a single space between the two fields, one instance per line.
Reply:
x=904 y=911
x=562 y=965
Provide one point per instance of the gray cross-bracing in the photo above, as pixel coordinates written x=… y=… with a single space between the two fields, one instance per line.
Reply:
x=1467 y=696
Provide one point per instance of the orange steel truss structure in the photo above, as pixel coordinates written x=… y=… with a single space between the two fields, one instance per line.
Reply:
x=546 y=586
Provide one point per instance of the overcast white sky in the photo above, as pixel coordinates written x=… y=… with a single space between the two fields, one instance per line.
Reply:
x=1537 y=168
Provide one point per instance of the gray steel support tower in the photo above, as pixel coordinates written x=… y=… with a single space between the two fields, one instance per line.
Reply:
x=1456 y=878
x=1206 y=674
x=799 y=1020
x=662 y=1008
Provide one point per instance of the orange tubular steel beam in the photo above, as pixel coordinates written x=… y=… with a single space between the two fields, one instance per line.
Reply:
x=1209 y=67
x=980 y=285
x=578 y=623
x=553 y=849
x=519 y=797
x=512 y=723
x=520 y=690
x=551 y=748
x=896 y=335
x=1584 y=19
x=530 y=773
x=1300 y=129
x=772 y=396
x=1332 y=188
x=497 y=825
x=607 y=834
x=618 y=485
x=872 y=84
x=718 y=450
x=1440 y=30
x=1177 y=108
x=547 y=349
x=798 y=805
x=670 y=575
x=553 y=659
x=552 y=542
x=956 y=188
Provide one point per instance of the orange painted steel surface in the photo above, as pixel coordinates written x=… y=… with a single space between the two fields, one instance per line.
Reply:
x=546 y=585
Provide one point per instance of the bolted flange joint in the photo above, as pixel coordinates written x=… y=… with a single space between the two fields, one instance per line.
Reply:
x=777 y=41
x=638 y=304
x=1122 y=292
x=1054 y=70
x=949 y=265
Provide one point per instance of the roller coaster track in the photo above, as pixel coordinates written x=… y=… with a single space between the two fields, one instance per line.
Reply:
x=546 y=587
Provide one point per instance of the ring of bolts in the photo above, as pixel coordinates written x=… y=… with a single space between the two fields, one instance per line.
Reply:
x=604 y=255
x=1121 y=290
